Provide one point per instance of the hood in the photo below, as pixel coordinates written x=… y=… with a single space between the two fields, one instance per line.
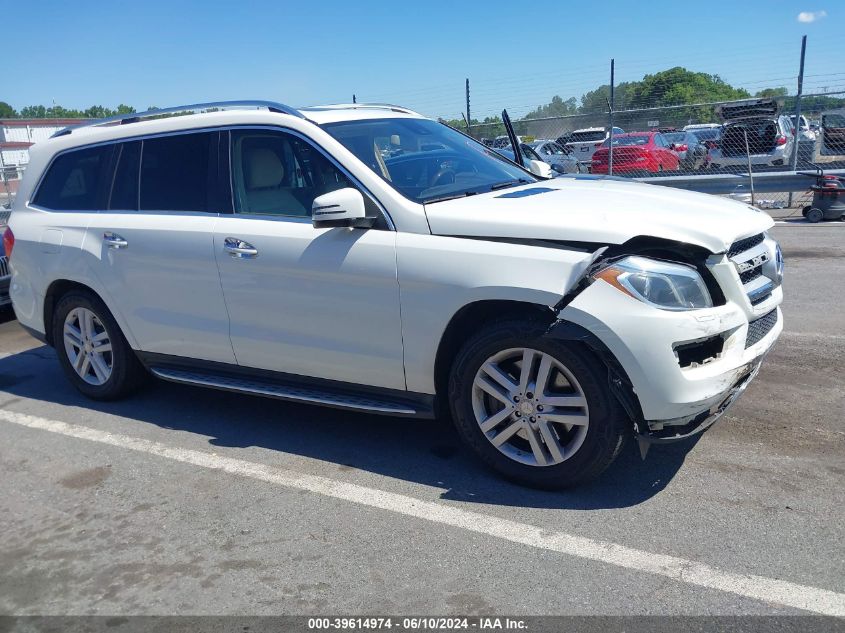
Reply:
x=747 y=109
x=601 y=210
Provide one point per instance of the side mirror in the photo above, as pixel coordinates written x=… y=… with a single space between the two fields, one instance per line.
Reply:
x=342 y=207
x=540 y=169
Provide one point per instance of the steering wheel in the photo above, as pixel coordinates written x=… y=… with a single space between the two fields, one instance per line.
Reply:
x=442 y=173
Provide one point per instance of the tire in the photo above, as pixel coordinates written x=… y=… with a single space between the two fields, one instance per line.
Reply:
x=805 y=211
x=814 y=215
x=585 y=448
x=125 y=373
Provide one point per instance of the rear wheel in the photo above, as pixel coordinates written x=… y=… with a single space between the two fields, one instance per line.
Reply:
x=92 y=350
x=535 y=409
x=814 y=215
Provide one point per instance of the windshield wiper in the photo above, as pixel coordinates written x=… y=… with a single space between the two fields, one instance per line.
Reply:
x=509 y=183
x=453 y=196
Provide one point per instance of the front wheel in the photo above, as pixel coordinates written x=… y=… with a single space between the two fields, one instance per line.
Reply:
x=92 y=350
x=535 y=409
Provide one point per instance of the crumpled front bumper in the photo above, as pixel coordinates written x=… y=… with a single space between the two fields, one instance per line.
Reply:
x=672 y=401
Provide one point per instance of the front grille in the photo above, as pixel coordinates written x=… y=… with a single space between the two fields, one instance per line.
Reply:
x=4 y=266
x=745 y=244
x=750 y=275
x=758 y=328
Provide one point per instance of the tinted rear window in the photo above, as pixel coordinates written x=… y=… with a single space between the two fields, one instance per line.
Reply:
x=175 y=173
x=581 y=137
x=124 y=190
x=74 y=180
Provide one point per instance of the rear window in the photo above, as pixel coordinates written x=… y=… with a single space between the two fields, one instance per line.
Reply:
x=581 y=137
x=622 y=141
x=176 y=173
x=707 y=135
x=124 y=189
x=74 y=180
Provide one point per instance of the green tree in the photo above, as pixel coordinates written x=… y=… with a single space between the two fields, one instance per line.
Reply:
x=7 y=111
x=557 y=107
x=772 y=92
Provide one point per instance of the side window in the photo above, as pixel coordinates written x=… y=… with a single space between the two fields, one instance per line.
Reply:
x=658 y=140
x=275 y=173
x=124 y=187
x=75 y=180
x=176 y=173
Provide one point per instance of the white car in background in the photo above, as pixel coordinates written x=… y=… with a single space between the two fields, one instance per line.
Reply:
x=769 y=136
x=584 y=143
x=561 y=159
x=262 y=249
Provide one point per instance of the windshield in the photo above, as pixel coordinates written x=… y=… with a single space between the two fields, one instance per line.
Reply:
x=424 y=160
x=675 y=137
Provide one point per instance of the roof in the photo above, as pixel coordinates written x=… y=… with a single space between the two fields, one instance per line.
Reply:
x=89 y=132
x=355 y=112
x=589 y=129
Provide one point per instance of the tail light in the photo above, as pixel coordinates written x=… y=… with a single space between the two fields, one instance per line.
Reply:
x=781 y=140
x=8 y=241
x=681 y=148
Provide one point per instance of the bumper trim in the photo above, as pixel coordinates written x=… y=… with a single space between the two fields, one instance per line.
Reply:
x=706 y=419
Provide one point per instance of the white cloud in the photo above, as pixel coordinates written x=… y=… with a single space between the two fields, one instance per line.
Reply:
x=811 y=16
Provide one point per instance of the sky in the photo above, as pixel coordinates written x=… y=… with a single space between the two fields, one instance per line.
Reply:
x=416 y=54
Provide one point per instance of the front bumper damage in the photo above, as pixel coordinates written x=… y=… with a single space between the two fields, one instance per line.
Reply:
x=666 y=399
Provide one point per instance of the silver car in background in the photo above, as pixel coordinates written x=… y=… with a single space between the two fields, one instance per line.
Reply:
x=558 y=156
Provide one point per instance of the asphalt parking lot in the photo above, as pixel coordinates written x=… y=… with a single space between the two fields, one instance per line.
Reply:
x=183 y=500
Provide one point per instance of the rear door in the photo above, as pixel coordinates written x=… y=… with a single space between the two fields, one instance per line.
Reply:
x=152 y=247
x=316 y=302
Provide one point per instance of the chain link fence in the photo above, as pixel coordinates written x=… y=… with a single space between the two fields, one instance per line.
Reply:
x=679 y=122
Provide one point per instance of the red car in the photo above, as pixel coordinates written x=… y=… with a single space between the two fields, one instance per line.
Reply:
x=636 y=152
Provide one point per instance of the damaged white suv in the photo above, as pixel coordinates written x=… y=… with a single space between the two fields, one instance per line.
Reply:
x=367 y=258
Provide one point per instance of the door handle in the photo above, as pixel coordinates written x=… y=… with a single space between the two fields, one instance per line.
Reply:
x=239 y=249
x=113 y=240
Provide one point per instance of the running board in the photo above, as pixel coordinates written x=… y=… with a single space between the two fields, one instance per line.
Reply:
x=295 y=393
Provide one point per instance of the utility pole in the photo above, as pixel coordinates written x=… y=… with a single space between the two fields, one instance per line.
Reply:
x=797 y=128
x=610 y=107
x=469 y=118
x=798 y=104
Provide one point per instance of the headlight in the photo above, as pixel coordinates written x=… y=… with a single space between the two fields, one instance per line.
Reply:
x=660 y=284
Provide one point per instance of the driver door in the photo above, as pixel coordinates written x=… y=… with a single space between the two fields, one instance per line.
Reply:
x=321 y=303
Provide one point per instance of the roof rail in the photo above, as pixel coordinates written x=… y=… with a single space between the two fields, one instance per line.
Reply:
x=134 y=117
x=362 y=106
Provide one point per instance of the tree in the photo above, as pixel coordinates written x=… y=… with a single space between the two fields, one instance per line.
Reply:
x=7 y=111
x=772 y=92
x=557 y=107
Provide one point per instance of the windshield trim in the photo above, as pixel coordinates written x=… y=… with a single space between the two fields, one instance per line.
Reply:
x=487 y=151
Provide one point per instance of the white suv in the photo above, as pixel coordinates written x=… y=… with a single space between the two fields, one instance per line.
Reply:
x=265 y=250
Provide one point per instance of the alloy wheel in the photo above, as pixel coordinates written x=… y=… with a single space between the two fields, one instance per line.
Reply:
x=88 y=346
x=530 y=407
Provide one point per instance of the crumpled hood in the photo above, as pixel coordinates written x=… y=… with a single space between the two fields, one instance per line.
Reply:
x=589 y=209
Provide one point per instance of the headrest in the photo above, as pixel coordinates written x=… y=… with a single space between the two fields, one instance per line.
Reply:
x=264 y=169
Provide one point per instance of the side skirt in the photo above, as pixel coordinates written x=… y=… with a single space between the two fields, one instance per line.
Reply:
x=262 y=382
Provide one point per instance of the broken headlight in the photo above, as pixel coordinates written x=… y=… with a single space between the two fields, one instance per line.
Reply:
x=664 y=285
